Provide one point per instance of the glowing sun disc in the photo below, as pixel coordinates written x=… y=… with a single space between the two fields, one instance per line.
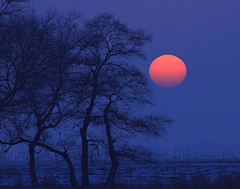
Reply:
x=167 y=71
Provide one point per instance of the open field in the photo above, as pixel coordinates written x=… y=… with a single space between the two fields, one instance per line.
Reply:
x=167 y=174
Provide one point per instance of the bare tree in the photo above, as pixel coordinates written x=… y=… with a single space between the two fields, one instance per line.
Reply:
x=52 y=71
x=12 y=7
x=49 y=102
x=146 y=125
x=48 y=98
x=25 y=56
x=106 y=40
x=124 y=89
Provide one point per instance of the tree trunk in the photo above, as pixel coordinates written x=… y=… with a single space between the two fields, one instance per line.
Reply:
x=83 y=132
x=85 y=179
x=72 y=177
x=113 y=171
x=112 y=153
x=32 y=146
x=32 y=166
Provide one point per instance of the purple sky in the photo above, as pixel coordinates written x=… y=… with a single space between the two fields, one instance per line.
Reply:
x=206 y=36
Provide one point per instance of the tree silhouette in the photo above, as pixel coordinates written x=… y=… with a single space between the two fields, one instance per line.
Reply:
x=12 y=7
x=107 y=42
x=123 y=90
x=47 y=45
x=23 y=55
x=107 y=39
x=55 y=70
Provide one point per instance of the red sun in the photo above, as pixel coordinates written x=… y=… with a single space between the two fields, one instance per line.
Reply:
x=167 y=71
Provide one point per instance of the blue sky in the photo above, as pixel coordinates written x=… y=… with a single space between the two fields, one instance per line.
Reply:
x=206 y=36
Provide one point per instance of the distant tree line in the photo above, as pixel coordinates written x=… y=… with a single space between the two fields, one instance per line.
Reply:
x=68 y=84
